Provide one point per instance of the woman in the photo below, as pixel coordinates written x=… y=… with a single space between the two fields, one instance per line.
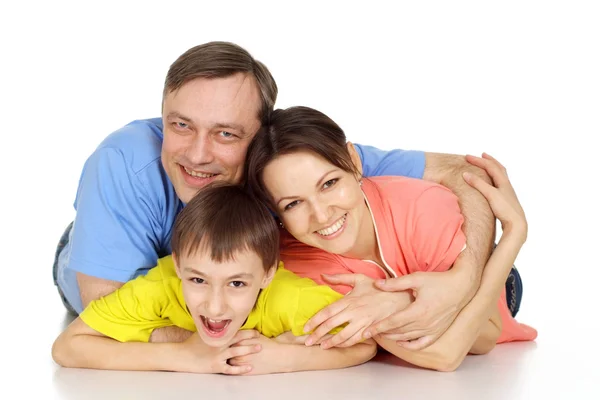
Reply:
x=352 y=233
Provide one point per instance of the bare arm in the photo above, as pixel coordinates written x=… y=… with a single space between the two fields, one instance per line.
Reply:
x=92 y=288
x=479 y=225
x=80 y=346
x=312 y=358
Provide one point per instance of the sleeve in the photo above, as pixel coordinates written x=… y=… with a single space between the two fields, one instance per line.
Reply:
x=113 y=235
x=132 y=312
x=437 y=237
x=311 y=300
x=377 y=162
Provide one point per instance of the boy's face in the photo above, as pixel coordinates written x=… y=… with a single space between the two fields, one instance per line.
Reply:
x=220 y=296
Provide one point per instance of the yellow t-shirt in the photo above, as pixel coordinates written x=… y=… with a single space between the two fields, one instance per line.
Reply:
x=155 y=300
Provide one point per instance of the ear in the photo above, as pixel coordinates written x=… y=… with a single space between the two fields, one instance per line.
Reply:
x=269 y=276
x=355 y=157
x=176 y=264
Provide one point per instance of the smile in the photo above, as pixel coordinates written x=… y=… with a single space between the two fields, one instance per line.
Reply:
x=198 y=174
x=333 y=228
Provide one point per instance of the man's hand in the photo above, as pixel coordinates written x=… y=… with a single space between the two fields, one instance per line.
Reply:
x=196 y=356
x=439 y=297
x=359 y=309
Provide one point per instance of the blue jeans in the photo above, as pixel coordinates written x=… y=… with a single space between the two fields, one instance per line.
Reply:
x=64 y=239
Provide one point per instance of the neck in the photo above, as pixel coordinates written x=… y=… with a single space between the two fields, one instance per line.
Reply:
x=366 y=247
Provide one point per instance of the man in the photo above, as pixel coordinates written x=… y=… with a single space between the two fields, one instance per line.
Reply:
x=216 y=96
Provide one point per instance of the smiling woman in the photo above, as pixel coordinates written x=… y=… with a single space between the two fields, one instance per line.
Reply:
x=337 y=222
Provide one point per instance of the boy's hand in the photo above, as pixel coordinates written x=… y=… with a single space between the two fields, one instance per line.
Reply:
x=271 y=358
x=198 y=357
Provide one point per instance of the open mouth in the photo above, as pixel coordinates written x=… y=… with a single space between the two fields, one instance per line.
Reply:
x=333 y=229
x=215 y=328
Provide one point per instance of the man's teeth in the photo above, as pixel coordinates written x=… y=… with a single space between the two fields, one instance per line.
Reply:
x=333 y=228
x=198 y=174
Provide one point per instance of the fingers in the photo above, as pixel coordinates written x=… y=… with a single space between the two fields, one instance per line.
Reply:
x=325 y=314
x=419 y=344
x=405 y=337
x=395 y=321
x=326 y=327
x=494 y=169
x=240 y=351
x=323 y=339
x=228 y=369
x=406 y=282
x=354 y=339
x=343 y=279
x=487 y=190
x=245 y=334
x=350 y=335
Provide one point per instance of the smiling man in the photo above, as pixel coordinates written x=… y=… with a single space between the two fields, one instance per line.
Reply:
x=216 y=97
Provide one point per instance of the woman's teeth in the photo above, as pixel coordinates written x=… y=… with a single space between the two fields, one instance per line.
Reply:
x=333 y=228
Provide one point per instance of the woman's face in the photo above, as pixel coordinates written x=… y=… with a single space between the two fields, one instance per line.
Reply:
x=319 y=204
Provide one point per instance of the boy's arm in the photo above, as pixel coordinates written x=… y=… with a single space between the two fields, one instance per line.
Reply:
x=79 y=346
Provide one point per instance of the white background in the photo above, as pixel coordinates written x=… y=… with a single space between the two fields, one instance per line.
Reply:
x=517 y=79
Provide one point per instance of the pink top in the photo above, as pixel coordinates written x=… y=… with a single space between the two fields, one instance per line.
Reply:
x=418 y=225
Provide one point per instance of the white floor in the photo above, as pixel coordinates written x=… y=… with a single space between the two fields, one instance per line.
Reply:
x=553 y=365
x=517 y=79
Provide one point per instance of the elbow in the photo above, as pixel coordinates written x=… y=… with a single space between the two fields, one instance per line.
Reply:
x=449 y=363
x=62 y=353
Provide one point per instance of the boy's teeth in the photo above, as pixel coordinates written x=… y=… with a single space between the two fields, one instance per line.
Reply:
x=333 y=228
x=216 y=325
x=197 y=174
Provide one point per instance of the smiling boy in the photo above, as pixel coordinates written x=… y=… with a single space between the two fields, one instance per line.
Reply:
x=223 y=281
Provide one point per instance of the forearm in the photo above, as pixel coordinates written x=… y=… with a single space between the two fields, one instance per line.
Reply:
x=312 y=358
x=448 y=352
x=170 y=334
x=477 y=326
x=100 y=352
x=92 y=288
x=479 y=220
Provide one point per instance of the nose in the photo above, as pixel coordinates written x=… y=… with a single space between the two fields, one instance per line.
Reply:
x=216 y=304
x=321 y=212
x=200 y=149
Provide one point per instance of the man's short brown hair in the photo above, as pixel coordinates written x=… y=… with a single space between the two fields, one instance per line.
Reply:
x=220 y=60
x=223 y=219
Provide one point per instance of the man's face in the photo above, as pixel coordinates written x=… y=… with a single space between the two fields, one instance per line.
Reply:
x=208 y=125
x=220 y=296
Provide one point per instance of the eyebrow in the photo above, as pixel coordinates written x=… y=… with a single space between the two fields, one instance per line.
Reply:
x=218 y=125
x=242 y=275
x=319 y=183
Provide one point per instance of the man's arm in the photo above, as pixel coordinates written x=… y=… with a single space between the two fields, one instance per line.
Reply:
x=479 y=224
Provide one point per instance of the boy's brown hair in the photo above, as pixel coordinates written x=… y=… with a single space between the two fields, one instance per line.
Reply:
x=223 y=219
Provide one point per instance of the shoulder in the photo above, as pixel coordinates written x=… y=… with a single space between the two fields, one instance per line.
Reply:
x=139 y=142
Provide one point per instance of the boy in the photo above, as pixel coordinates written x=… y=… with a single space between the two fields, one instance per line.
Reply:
x=223 y=281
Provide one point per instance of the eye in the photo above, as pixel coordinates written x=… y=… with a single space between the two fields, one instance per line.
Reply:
x=237 y=284
x=291 y=205
x=198 y=281
x=226 y=134
x=330 y=183
x=180 y=125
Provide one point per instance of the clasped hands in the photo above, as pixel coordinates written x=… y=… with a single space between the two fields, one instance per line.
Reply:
x=414 y=310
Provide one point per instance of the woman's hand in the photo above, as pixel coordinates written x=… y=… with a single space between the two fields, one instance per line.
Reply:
x=501 y=196
x=363 y=306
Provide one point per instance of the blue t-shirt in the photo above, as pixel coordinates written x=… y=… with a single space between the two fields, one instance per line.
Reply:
x=126 y=205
